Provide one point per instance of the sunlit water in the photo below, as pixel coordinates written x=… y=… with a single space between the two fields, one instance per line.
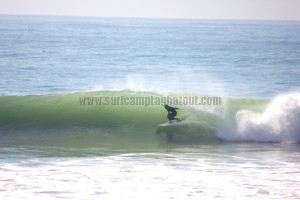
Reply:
x=49 y=145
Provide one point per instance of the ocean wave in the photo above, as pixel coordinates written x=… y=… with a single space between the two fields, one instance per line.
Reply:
x=61 y=117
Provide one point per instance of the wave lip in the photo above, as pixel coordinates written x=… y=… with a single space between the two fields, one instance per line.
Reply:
x=279 y=122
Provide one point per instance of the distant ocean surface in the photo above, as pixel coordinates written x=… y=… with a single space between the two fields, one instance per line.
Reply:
x=58 y=141
x=42 y=55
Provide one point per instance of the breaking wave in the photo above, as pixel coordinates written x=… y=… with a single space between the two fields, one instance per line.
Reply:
x=61 y=119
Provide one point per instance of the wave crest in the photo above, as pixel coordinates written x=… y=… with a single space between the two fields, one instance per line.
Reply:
x=278 y=123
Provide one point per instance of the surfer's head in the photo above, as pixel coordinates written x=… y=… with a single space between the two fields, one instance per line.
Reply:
x=166 y=106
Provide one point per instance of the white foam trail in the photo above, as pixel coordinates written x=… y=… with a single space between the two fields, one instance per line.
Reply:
x=278 y=123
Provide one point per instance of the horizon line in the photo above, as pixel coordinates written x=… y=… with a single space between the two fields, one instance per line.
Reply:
x=148 y=18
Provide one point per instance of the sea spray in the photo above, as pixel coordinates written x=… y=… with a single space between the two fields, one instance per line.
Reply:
x=279 y=122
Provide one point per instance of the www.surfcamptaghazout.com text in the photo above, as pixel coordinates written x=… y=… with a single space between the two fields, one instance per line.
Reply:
x=149 y=101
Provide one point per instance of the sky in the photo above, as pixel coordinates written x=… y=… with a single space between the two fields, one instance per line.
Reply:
x=178 y=9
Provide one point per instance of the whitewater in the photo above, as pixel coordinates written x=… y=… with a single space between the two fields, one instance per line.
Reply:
x=81 y=101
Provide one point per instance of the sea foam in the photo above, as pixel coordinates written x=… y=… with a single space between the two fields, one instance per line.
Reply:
x=279 y=122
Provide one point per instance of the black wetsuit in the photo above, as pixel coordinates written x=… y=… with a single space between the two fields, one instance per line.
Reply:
x=171 y=112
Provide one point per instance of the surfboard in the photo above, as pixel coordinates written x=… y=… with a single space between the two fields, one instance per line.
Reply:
x=176 y=123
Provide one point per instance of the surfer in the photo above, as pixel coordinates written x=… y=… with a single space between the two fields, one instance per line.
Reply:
x=171 y=113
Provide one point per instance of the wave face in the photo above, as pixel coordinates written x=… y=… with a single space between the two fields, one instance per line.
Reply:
x=63 y=119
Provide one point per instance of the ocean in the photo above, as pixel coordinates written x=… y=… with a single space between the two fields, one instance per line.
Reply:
x=81 y=101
